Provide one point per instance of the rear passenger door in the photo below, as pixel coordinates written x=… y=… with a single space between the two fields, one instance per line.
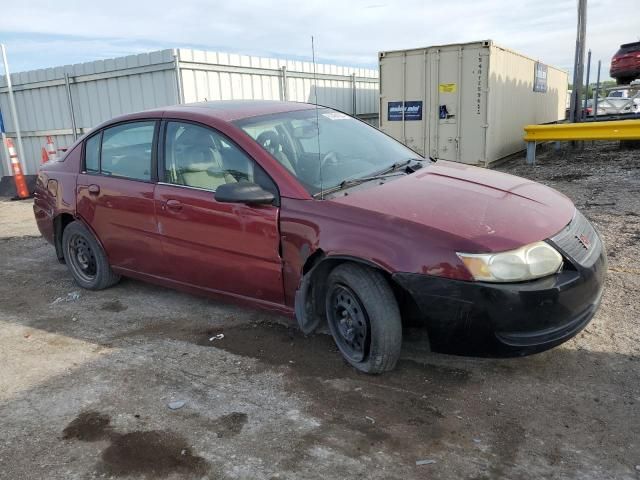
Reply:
x=115 y=194
x=221 y=247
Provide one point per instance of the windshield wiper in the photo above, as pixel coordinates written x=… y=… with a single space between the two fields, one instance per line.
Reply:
x=355 y=181
x=391 y=170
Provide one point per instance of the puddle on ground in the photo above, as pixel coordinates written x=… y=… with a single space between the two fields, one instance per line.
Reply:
x=155 y=453
x=89 y=426
x=151 y=454
x=569 y=177
x=113 y=306
x=229 y=425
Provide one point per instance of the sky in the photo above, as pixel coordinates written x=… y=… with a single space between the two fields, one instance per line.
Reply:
x=41 y=34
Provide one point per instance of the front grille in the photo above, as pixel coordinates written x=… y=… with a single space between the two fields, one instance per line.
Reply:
x=579 y=241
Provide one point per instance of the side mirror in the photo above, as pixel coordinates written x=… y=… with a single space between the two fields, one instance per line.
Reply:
x=243 y=192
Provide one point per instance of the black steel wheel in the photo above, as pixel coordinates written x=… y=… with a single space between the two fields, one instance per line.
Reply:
x=86 y=259
x=349 y=320
x=81 y=258
x=363 y=317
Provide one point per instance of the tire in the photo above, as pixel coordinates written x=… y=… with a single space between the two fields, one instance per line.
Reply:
x=364 y=318
x=86 y=259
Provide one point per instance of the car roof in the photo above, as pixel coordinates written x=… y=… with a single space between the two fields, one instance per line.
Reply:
x=231 y=110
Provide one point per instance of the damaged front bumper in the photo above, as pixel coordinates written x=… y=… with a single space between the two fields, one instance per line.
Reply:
x=492 y=319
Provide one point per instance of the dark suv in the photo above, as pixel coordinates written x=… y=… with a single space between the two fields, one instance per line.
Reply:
x=625 y=64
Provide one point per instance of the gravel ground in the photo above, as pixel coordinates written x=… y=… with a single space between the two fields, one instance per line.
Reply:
x=86 y=378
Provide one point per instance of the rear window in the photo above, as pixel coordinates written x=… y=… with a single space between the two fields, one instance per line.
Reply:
x=628 y=48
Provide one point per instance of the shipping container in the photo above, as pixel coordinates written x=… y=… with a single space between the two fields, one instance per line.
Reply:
x=467 y=102
x=68 y=101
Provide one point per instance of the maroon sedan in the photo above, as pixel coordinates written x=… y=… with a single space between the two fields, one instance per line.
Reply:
x=309 y=212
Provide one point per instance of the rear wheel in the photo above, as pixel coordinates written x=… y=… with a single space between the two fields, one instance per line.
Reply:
x=85 y=258
x=364 y=318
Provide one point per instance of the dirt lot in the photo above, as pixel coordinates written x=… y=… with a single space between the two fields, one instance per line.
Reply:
x=86 y=378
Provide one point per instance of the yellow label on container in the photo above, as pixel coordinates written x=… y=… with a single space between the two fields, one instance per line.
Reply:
x=447 y=88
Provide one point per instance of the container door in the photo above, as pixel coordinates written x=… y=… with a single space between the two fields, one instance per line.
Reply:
x=447 y=112
x=402 y=98
x=458 y=114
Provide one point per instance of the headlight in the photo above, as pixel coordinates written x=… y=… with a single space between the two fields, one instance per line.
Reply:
x=526 y=263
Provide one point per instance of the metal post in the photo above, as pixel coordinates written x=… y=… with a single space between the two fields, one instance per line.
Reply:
x=4 y=145
x=578 y=64
x=12 y=106
x=597 y=94
x=180 y=91
x=67 y=84
x=531 y=153
x=586 y=88
x=283 y=69
x=404 y=97
x=354 y=93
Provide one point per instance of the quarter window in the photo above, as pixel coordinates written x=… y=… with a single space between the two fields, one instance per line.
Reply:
x=127 y=150
x=197 y=156
x=92 y=154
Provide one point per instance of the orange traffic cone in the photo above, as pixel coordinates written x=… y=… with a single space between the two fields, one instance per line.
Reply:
x=44 y=156
x=21 y=184
x=51 y=149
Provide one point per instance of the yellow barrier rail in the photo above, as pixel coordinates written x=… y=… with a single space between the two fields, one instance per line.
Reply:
x=611 y=130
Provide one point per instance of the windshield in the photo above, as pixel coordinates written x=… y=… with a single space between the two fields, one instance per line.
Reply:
x=345 y=148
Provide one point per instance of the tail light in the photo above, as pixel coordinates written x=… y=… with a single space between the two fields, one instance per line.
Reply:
x=613 y=60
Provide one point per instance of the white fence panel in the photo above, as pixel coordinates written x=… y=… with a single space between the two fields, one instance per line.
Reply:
x=103 y=89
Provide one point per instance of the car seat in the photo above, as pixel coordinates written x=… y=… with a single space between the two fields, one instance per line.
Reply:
x=198 y=162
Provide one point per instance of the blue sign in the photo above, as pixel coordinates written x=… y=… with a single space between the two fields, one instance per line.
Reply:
x=1 y=123
x=540 y=77
x=397 y=111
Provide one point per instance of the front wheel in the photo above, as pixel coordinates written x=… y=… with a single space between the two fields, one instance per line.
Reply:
x=86 y=259
x=364 y=318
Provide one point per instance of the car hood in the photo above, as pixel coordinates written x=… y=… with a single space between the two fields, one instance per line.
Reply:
x=491 y=211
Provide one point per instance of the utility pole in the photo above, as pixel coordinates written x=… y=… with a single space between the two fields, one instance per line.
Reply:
x=12 y=106
x=578 y=64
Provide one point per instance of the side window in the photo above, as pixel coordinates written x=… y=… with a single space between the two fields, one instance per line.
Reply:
x=92 y=154
x=197 y=156
x=127 y=150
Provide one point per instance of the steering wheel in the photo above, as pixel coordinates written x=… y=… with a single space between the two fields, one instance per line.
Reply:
x=269 y=140
x=330 y=159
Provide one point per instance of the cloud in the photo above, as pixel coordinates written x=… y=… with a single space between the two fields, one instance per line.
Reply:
x=345 y=32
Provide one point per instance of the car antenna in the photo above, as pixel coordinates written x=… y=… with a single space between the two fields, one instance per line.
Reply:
x=315 y=91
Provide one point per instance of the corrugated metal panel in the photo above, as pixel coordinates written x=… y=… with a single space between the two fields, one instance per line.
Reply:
x=99 y=90
x=103 y=89
x=222 y=76
x=476 y=98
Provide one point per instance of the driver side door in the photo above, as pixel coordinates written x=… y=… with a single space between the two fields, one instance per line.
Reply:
x=229 y=248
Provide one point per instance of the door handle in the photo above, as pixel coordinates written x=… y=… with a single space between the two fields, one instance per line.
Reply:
x=174 y=205
x=94 y=189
